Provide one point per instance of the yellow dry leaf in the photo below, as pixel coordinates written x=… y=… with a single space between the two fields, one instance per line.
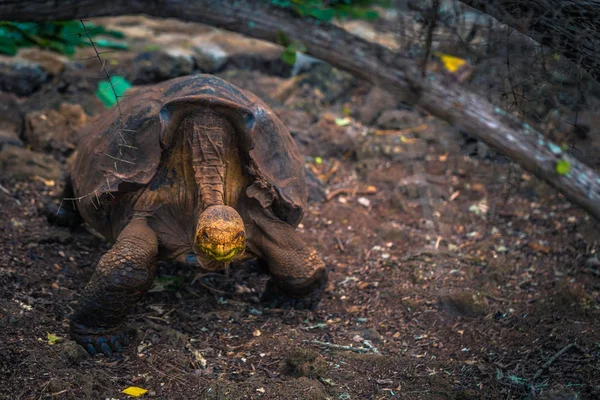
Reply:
x=134 y=391
x=52 y=338
x=451 y=63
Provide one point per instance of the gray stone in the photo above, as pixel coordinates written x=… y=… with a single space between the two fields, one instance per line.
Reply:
x=53 y=128
x=157 y=66
x=72 y=352
x=19 y=163
x=21 y=77
x=210 y=57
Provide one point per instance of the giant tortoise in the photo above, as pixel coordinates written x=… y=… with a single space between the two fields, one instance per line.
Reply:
x=191 y=168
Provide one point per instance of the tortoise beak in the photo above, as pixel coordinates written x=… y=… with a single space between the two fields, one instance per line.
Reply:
x=223 y=253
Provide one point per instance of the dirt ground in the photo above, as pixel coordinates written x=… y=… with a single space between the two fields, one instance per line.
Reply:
x=453 y=277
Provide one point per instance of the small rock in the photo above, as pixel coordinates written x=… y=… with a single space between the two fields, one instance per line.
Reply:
x=210 y=57
x=363 y=201
x=20 y=77
x=19 y=163
x=369 y=334
x=398 y=119
x=54 y=129
x=222 y=48
x=334 y=85
x=51 y=62
x=157 y=66
x=72 y=352
x=466 y=304
x=377 y=101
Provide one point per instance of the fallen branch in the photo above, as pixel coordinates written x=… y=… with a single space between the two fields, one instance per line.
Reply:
x=368 y=349
x=397 y=73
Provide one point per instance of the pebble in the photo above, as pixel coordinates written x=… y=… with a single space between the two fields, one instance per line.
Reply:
x=363 y=201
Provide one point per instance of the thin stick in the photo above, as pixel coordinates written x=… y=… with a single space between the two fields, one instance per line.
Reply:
x=556 y=357
x=340 y=347
x=340 y=245
x=350 y=190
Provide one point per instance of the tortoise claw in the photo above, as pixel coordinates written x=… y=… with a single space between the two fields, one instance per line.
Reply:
x=276 y=297
x=100 y=340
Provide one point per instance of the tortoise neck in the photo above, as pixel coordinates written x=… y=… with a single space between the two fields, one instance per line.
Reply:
x=207 y=132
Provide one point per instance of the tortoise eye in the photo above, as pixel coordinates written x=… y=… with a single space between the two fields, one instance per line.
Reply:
x=241 y=235
x=205 y=235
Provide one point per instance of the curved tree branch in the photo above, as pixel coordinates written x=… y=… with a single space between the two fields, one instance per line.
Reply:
x=392 y=71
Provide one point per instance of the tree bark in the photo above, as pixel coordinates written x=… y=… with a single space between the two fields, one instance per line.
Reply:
x=392 y=71
x=571 y=27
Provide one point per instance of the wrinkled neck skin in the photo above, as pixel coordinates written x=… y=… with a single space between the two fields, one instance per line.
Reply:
x=220 y=235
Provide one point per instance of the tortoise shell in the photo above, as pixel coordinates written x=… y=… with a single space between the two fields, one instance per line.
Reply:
x=121 y=151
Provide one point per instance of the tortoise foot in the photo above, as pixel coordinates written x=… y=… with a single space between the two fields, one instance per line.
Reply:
x=61 y=215
x=277 y=297
x=107 y=341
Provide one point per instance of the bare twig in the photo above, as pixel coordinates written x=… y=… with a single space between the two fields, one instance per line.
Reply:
x=368 y=349
x=340 y=244
x=430 y=28
x=351 y=190
x=556 y=357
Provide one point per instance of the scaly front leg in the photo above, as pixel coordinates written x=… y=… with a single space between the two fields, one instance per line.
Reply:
x=299 y=275
x=123 y=275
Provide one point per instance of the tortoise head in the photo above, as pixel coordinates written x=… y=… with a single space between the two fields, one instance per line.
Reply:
x=220 y=233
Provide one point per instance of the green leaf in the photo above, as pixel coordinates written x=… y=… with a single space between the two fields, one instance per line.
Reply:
x=563 y=167
x=289 y=55
x=111 y=45
x=52 y=338
x=107 y=95
x=342 y=121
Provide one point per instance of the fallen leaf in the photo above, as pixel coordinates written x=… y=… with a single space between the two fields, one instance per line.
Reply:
x=451 y=63
x=563 y=167
x=256 y=333
x=342 y=121
x=53 y=339
x=134 y=391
